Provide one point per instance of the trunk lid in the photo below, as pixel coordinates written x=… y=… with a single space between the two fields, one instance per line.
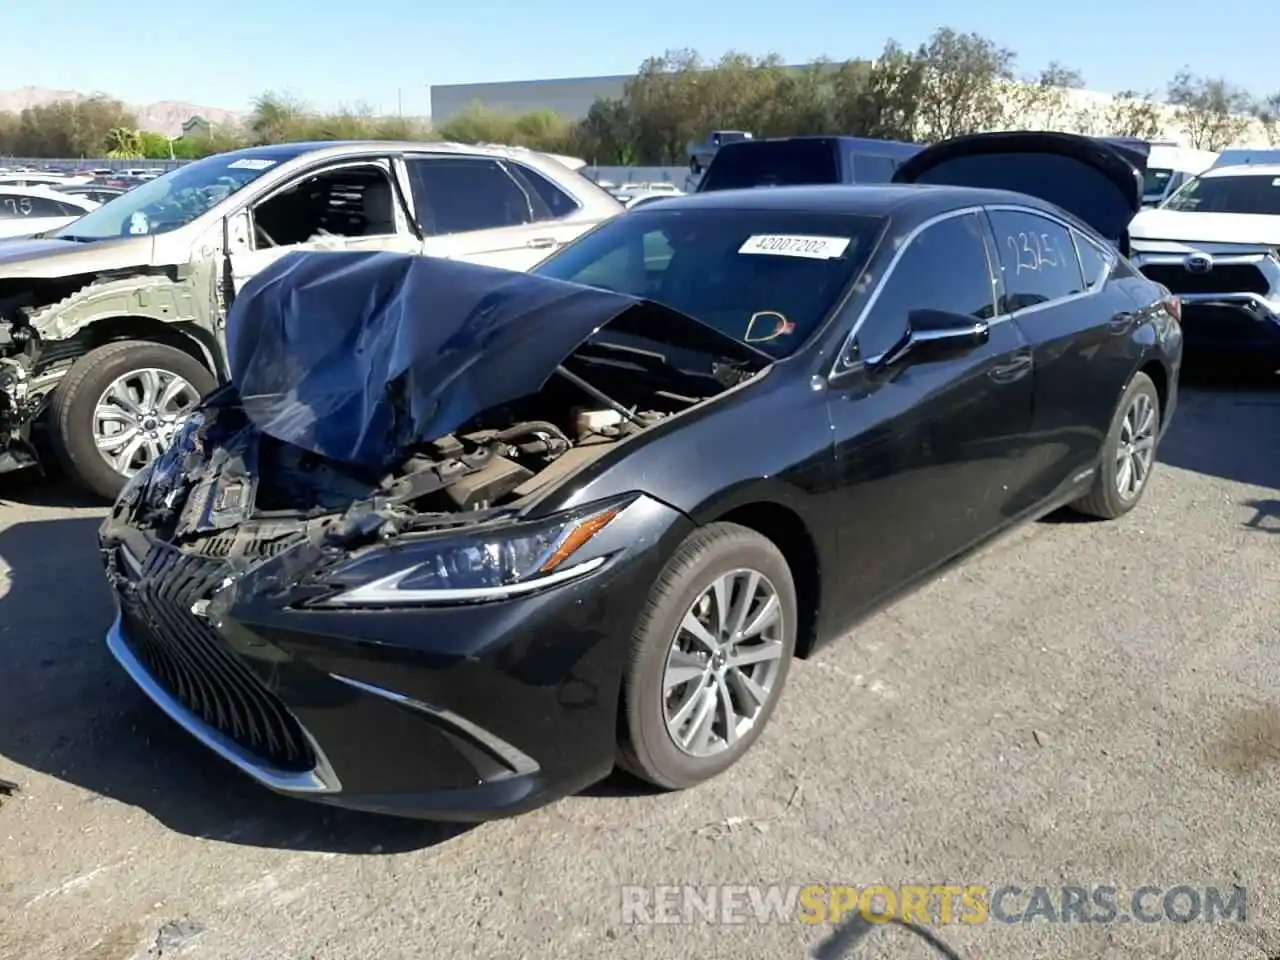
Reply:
x=1098 y=180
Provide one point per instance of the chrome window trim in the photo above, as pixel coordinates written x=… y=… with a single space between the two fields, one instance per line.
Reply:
x=1072 y=230
x=838 y=366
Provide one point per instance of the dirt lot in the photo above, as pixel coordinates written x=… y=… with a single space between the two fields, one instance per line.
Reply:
x=1082 y=704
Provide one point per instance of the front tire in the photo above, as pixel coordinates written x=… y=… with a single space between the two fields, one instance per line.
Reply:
x=1128 y=454
x=709 y=657
x=117 y=408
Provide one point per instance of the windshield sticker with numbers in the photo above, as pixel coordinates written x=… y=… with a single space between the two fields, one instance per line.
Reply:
x=809 y=247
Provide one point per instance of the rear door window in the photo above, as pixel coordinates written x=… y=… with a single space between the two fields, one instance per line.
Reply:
x=460 y=194
x=1037 y=258
x=773 y=163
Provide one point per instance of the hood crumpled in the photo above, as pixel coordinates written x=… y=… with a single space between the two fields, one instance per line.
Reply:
x=357 y=356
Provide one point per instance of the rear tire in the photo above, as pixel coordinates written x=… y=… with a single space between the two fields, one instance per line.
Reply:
x=717 y=682
x=73 y=421
x=1135 y=429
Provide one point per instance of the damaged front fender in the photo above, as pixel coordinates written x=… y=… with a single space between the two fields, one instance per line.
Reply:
x=155 y=297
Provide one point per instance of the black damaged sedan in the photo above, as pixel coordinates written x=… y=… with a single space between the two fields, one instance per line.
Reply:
x=454 y=541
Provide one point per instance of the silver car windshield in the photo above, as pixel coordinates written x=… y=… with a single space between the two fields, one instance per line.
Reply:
x=171 y=201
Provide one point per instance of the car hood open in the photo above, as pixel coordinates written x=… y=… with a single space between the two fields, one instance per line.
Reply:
x=1097 y=179
x=359 y=356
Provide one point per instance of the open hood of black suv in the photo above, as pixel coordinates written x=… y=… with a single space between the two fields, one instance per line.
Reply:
x=359 y=356
x=1099 y=180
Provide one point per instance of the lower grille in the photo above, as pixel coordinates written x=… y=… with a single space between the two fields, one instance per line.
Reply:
x=186 y=656
x=1224 y=278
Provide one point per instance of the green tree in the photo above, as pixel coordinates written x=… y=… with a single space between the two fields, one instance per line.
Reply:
x=1044 y=102
x=9 y=127
x=962 y=91
x=1267 y=110
x=154 y=146
x=71 y=128
x=880 y=99
x=1132 y=114
x=606 y=135
x=1212 y=112
x=277 y=118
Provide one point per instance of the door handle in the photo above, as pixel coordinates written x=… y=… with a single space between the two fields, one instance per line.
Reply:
x=1015 y=369
x=1120 y=322
x=541 y=243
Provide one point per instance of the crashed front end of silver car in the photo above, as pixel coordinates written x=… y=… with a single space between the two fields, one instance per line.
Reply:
x=22 y=397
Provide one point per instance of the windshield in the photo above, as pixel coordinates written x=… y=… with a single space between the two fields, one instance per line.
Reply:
x=1155 y=182
x=765 y=277
x=1248 y=193
x=169 y=202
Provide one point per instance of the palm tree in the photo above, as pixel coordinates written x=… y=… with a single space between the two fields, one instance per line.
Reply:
x=124 y=144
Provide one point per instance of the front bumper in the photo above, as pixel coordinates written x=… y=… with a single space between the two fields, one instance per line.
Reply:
x=1216 y=325
x=1231 y=310
x=453 y=712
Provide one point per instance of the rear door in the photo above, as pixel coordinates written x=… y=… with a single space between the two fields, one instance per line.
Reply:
x=475 y=209
x=1055 y=288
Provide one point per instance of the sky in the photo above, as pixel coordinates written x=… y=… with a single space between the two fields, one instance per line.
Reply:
x=333 y=53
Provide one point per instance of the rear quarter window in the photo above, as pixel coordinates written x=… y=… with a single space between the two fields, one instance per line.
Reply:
x=773 y=164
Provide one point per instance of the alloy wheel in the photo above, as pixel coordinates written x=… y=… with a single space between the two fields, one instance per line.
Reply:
x=724 y=662
x=137 y=416
x=1136 y=448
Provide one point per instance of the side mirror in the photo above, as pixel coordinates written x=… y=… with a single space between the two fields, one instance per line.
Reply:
x=934 y=335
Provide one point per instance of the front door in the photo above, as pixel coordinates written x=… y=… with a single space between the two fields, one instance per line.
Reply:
x=348 y=206
x=928 y=454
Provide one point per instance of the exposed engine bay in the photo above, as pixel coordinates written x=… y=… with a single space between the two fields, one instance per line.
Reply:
x=226 y=489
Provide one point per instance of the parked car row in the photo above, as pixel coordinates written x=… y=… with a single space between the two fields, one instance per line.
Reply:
x=26 y=211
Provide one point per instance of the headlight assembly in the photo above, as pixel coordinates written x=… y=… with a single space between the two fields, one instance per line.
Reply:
x=484 y=565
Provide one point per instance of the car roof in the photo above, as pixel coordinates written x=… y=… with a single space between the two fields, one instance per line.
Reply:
x=912 y=201
x=1244 y=170
x=12 y=189
x=888 y=148
x=282 y=152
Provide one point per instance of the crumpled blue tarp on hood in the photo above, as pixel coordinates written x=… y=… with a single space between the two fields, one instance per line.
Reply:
x=355 y=356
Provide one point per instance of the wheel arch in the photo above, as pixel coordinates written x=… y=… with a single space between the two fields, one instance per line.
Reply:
x=787 y=530
x=187 y=336
x=1159 y=374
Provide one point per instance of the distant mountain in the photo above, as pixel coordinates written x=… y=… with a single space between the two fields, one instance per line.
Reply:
x=164 y=116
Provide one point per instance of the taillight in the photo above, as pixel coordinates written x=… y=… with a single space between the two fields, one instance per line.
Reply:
x=1173 y=306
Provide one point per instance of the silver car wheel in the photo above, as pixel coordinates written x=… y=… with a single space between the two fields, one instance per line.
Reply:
x=724 y=663
x=1136 y=448
x=137 y=416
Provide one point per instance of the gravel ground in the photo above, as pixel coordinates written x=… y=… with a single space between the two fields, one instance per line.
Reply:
x=1082 y=704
